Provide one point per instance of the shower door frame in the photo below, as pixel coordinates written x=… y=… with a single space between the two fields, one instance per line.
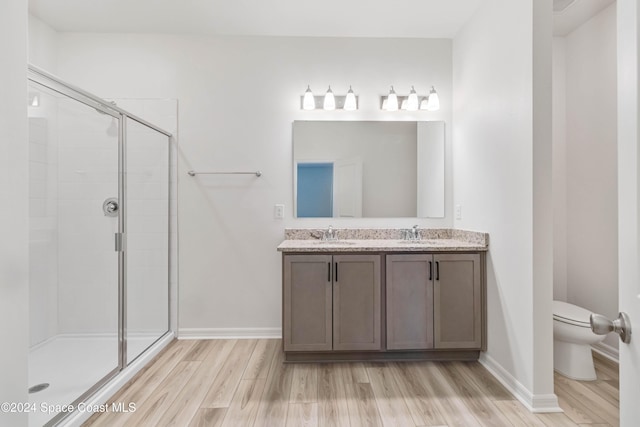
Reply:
x=55 y=84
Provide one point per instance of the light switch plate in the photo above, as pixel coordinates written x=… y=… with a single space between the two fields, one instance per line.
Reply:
x=278 y=211
x=458 y=211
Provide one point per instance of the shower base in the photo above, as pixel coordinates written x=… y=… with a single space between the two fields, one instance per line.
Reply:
x=72 y=365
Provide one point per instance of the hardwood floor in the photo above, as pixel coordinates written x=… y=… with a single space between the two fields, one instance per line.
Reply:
x=246 y=383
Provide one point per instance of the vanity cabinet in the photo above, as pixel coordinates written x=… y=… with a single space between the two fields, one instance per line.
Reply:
x=331 y=302
x=434 y=301
x=457 y=301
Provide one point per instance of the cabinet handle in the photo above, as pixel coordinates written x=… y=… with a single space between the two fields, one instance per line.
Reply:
x=437 y=270
x=430 y=270
x=336 y=273
x=328 y=272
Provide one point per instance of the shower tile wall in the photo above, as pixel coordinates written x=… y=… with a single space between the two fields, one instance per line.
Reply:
x=72 y=252
x=88 y=264
x=43 y=223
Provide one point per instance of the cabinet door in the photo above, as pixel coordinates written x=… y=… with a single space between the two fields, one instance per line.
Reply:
x=457 y=301
x=307 y=302
x=409 y=302
x=356 y=302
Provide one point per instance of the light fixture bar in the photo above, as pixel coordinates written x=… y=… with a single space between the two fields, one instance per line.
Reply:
x=428 y=102
x=319 y=99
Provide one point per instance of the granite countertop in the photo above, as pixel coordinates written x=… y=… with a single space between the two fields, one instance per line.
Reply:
x=383 y=240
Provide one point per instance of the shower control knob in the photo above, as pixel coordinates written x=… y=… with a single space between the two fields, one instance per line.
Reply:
x=110 y=207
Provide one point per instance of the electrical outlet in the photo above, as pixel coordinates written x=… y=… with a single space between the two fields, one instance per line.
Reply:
x=458 y=211
x=278 y=211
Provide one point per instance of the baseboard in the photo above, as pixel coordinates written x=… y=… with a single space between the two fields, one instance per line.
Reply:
x=228 y=333
x=103 y=395
x=534 y=403
x=607 y=351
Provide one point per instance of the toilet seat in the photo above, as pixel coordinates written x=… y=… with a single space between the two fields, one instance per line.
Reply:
x=571 y=314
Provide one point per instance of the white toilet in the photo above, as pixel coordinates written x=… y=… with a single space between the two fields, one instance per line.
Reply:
x=572 y=341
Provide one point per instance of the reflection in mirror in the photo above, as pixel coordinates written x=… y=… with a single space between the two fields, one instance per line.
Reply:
x=354 y=169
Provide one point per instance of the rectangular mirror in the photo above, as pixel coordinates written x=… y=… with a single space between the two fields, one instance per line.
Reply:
x=368 y=169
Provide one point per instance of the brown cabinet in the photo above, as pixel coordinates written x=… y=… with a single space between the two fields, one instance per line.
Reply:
x=307 y=323
x=331 y=302
x=409 y=299
x=434 y=301
x=457 y=301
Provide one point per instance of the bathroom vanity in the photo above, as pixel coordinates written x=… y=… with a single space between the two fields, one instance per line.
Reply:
x=379 y=295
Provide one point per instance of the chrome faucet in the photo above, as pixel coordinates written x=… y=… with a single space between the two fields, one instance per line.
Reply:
x=415 y=234
x=329 y=235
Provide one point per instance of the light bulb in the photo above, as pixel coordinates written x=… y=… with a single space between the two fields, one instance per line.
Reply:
x=329 y=100
x=350 y=103
x=392 y=100
x=424 y=102
x=412 y=100
x=434 y=102
x=308 y=102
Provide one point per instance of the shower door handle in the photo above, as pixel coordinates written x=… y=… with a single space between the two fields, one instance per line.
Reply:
x=119 y=244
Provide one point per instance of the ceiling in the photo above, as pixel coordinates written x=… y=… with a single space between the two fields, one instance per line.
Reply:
x=304 y=18
x=316 y=18
x=577 y=13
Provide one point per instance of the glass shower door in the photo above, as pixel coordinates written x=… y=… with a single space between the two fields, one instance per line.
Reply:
x=147 y=230
x=74 y=267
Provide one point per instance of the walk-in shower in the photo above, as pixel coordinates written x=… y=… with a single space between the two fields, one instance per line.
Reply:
x=99 y=242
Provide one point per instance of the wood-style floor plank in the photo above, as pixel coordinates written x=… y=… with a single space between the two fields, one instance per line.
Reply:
x=224 y=386
x=473 y=395
x=556 y=420
x=333 y=409
x=478 y=374
x=163 y=396
x=517 y=415
x=361 y=401
x=244 y=407
x=260 y=361
x=200 y=350
x=272 y=411
x=453 y=408
x=302 y=415
x=424 y=409
x=257 y=388
x=208 y=417
x=606 y=412
x=188 y=401
x=393 y=409
x=304 y=384
x=140 y=387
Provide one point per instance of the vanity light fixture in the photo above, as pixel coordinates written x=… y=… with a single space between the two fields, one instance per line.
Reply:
x=411 y=102
x=308 y=100
x=329 y=101
x=433 y=103
x=392 y=101
x=350 y=102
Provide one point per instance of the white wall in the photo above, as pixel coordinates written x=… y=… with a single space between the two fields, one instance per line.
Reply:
x=559 y=170
x=14 y=213
x=499 y=182
x=43 y=45
x=591 y=166
x=238 y=98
